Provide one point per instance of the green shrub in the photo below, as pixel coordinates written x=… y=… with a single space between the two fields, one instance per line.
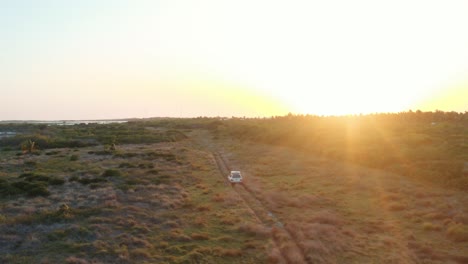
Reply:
x=32 y=177
x=126 y=155
x=7 y=189
x=135 y=181
x=30 y=163
x=155 y=155
x=56 y=181
x=111 y=173
x=35 y=188
x=30 y=184
x=153 y=172
x=146 y=165
x=73 y=178
x=101 y=152
x=74 y=157
x=126 y=165
x=90 y=180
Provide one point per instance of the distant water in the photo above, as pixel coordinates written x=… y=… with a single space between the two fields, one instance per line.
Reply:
x=5 y=134
x=66 y=122
x=77 y=122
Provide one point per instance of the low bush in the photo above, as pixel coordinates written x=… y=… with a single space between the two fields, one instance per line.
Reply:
x=62 y=214
x=219 y=197
x=7 y=189
x=204 y=208
x=156 y=155
x=231 y=252
x=73 y=178
x=255 y=230
x=32 y=188
x=126 y=165
x=30 y=163
x=29 y=184
x=76 y=260
x=396 y=207
x=135 y=181
x=50 y=180
x=140 y=253
x=101 y=152
x=200 y=236
x=111 y=173
x=80 y=233
x=163 y=179
x=153 y=172
x=86 y=181
x=126 y=155
x=146 y=165
x=457 y=232
x=51 y=153
x=431 y=227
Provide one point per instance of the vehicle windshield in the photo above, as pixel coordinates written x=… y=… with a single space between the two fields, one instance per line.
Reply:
x=236 y=175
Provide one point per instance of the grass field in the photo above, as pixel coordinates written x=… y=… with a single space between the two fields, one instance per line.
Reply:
x=152 y=192
x=142 y=203
x=344 y=213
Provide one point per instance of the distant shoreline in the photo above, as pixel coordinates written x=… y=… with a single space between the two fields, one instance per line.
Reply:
x=65 y=122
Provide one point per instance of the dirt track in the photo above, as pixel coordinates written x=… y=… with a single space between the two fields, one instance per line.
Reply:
x=264 y=216
x=334 y=212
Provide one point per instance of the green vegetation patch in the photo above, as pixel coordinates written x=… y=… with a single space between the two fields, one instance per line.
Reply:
x=33 y=177
x=101 y=152
x=86 y=180
x=29 y=184
x=111 y=173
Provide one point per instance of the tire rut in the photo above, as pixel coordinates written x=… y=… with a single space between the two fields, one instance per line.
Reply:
x=265 y=217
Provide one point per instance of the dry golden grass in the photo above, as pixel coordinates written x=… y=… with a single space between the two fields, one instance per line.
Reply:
x=169 y=204
x=204 y=208
x=258 y=230
x=231 y=252
x=274 y=256
x=342 y=212
x=218 y=197
x=431 y=227
x=200 y=236
x=457 y=232
x=200 y=221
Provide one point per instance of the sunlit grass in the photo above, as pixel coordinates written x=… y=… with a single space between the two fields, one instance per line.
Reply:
x=357 y=213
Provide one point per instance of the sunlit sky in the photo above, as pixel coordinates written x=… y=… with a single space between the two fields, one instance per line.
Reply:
x=96 y=59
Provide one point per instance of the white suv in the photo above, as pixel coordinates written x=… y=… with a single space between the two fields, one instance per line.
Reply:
x=235 y=177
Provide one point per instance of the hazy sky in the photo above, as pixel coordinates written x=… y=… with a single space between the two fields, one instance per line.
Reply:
x=93 y=59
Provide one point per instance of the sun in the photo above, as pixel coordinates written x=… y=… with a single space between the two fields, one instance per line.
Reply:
x=344 y=63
